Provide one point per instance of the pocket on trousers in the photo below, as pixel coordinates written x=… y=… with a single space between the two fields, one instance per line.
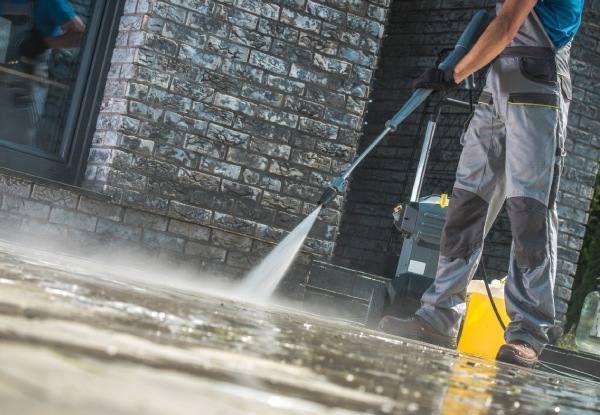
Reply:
x=537 y=99
x=539 y=69
x=566 y=87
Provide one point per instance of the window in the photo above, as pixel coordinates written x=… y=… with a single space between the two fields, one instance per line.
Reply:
x=54 y=57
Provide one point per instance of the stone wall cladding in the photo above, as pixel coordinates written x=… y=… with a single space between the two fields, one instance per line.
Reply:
x=234 y=116
x=416 y=33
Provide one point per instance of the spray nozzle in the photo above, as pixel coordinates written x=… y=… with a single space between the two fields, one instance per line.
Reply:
x=337 y=186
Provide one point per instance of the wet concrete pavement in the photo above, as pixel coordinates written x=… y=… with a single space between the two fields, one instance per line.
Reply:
x=81 y=337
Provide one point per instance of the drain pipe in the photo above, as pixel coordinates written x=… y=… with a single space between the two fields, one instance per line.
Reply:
x=474 y=29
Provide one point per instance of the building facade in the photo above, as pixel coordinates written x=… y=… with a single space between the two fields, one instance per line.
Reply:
x=213 y=127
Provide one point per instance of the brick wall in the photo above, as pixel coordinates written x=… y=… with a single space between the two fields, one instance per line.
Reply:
x=417 y=34
x=232 y=117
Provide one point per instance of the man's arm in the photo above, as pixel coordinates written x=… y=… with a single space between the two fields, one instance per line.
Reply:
x=495 y=37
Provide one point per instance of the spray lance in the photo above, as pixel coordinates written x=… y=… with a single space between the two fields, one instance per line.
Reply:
x=474 y=29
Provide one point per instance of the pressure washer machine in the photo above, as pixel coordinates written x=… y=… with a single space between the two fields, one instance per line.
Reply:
x=420 y=221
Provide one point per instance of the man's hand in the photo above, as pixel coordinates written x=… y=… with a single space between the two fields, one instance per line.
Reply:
x=73 y=31
x=436 y=79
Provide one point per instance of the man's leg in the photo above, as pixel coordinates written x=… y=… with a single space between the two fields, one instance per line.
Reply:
x=476 y=199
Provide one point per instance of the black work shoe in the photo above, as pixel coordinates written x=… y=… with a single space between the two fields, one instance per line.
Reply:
x=416 y=328
x=518 y=353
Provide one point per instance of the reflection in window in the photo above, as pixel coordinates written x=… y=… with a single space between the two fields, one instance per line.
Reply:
x=39 y=59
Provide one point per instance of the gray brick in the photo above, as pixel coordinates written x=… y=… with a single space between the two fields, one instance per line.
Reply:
x=219 y=168
x=227 y=49
x=169 y=12
x=240 y=191
x=343 y=119
x=227 y=136
x=247 y=159
x=145 y=220
x=205 y=146
x=268 y=62
x=99 y=208
x=278 y=202
x=205 y=60
x=144 y=201
x=14 y=187
x=212 y=113
x=160 y=44
x=270 y=149
x=200 y=6
x=253 y=212
x=184 y=35
x=318 y=128
x=329 y=98
x=288 y=170
x=262 y=95
x=292 y=52
x=188 y=124
x=206 y=252
x=189 y=213
x=163 y=240
x=118 y=230
x=285 y=85
x=160 y=97
x=231 y=241
x=238 y=18
x=338 y=34
x=196 y=178
x=193 y=90
x=72 y=218
x=325 y=13
x=304 y=107
x=25 y=207
x=311 y=159
x=259 y=7
x=306 y=74
x=369 y=27
x=250 y=38
x=318 y=43
x=242 y=71
x=277 y=117
x=233 y=224
x=300 y=21
x=144 y=111
x=207 y=24
x=261 y=180
x=278 y=30
x=189 y=230
x=332 y=65
x=177 y=156
x=58 y=197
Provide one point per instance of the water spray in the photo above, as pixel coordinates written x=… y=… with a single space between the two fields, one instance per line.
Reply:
x=474 y=29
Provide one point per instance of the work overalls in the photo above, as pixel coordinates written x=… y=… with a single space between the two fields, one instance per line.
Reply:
x=513 y=151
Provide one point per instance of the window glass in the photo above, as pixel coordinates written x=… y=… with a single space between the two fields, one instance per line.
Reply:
x=41 y=42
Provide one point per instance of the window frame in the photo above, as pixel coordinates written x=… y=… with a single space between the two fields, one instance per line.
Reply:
x=69 y=165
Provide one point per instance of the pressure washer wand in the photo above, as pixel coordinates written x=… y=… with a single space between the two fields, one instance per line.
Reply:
x=474 y=29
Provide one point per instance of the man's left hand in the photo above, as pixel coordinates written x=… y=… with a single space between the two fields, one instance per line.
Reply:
x=436 y=79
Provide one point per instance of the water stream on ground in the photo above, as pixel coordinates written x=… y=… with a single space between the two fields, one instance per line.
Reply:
x=263 y=279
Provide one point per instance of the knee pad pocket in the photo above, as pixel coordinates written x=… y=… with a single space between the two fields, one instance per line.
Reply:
x=529 y=227
x=465 y=223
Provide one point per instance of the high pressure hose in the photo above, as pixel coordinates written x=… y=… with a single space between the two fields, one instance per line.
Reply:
x=474 y=29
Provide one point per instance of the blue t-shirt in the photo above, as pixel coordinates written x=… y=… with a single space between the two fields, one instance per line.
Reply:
x=49 y=15
x=561 y=19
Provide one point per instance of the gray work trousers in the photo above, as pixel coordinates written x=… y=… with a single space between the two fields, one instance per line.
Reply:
x=513 y=153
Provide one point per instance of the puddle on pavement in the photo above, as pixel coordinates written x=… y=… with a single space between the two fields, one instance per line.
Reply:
x=83 y=337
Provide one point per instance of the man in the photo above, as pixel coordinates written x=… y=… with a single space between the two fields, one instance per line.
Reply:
x=513 y=151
